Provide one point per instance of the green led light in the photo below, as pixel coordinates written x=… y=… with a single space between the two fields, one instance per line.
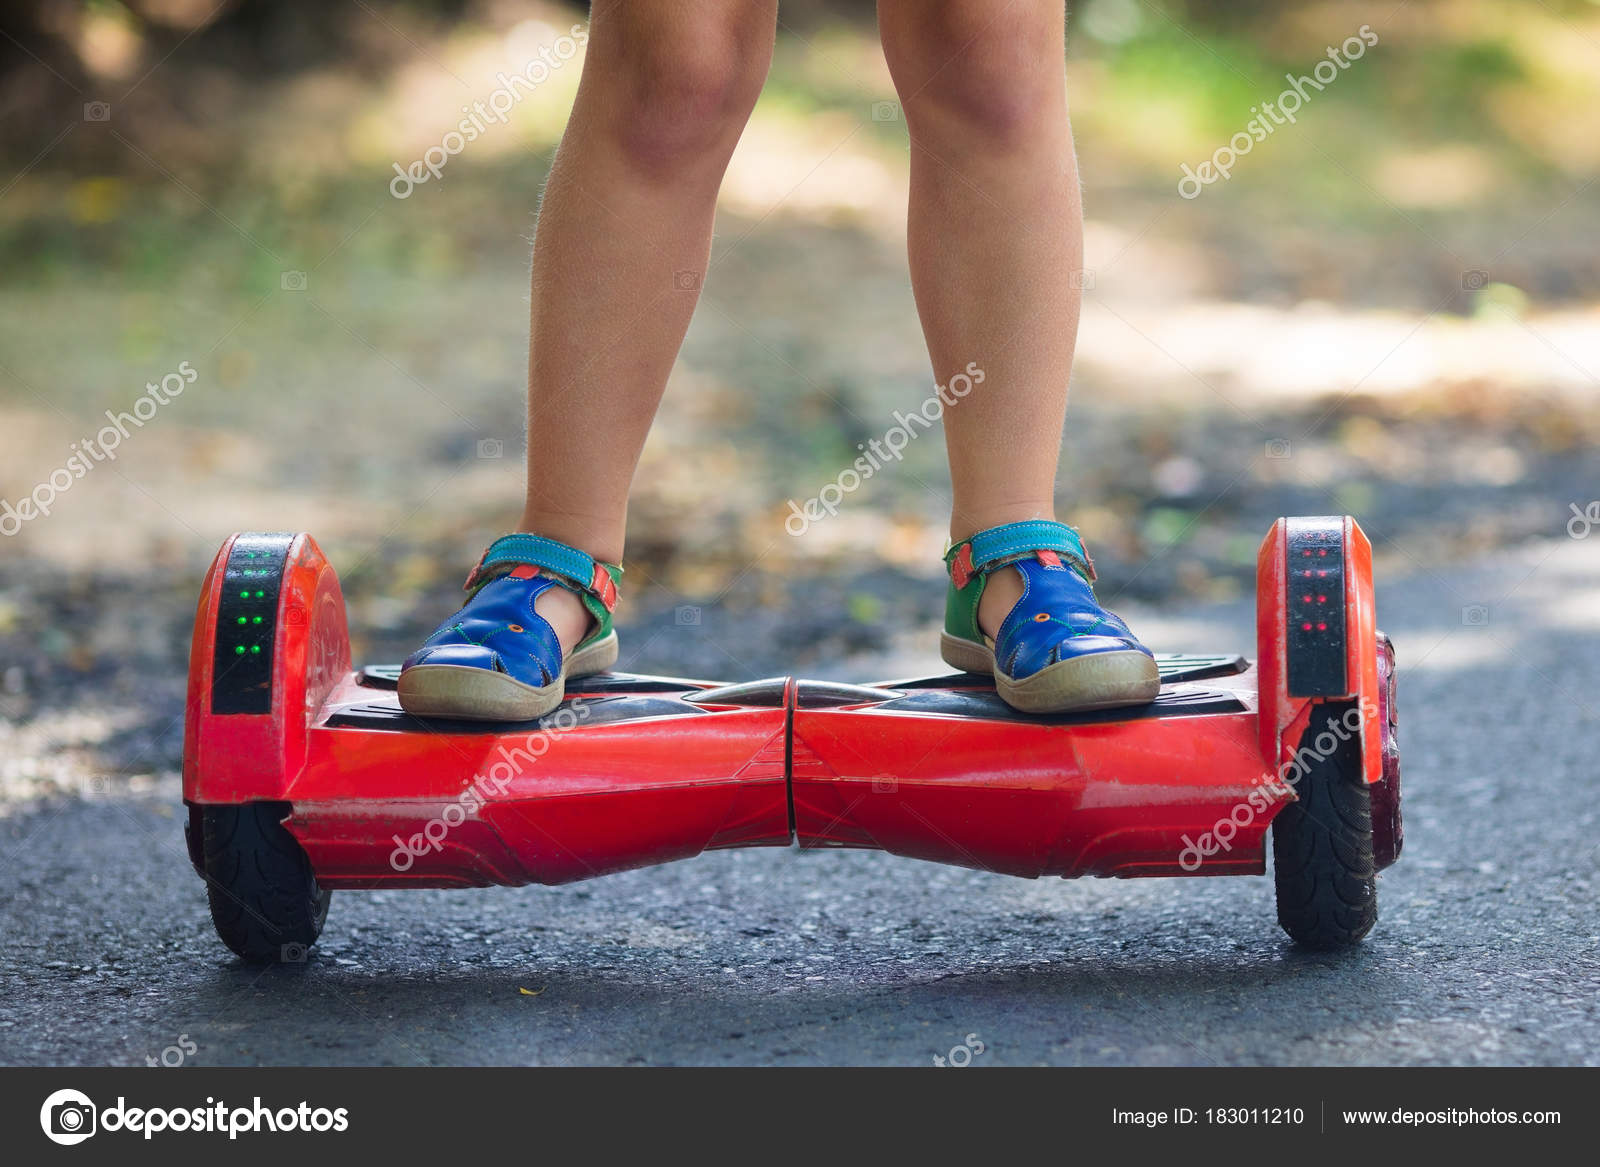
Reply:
x=255 y=648
x=260 y=594
x=239 y=649
x=256 y=620
x=244 y=595
x=241 y=619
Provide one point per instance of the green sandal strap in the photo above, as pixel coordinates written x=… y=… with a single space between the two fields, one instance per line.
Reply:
x=970 y=561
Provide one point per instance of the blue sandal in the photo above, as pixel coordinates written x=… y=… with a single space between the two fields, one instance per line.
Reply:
x=499 y=660
x=1058 y=649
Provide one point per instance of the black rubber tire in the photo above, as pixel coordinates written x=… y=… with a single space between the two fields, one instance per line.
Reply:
x=265 y=901
x=1322 y=859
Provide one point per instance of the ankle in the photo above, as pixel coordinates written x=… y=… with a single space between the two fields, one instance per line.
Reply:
x=566 y=614
x=965 y=524
x=1001 y=591
x=598 y=538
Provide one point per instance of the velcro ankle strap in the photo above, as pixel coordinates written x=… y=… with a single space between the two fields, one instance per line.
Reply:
x=1040 y=539
x=575 y=568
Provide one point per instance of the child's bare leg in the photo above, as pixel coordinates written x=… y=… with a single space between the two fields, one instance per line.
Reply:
x=995 y=242
x=666 y=90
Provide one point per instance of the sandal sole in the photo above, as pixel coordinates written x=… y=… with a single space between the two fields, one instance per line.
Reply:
x=1101 y=680
x=469 y=694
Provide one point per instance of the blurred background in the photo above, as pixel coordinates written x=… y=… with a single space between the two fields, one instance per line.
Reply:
x=1388 y=308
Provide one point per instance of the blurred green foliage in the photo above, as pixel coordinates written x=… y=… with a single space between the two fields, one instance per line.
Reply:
x=1467 y=111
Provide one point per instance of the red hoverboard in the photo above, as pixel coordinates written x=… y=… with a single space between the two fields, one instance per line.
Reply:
x=302 y=776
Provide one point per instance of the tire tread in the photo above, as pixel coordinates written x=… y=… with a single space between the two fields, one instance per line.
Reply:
x=1322 y=854
x=264 y=897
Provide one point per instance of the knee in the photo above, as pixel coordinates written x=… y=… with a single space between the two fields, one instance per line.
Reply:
x=678 y=97
x=963 y=69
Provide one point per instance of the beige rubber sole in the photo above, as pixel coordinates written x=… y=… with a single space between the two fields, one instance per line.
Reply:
x=1102 y=680
x=480 y=695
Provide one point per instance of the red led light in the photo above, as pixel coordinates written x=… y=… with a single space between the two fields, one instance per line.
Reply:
x=1322 y=627
x=1308 y=597
x=1305 y=628
x=1306 y=553
x=1323 y=553
x=1322 y=573
x=1322 y=599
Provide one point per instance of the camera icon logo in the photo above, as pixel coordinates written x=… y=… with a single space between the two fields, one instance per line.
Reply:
x=885 y=111
x=491 y=448
x=686 y=281
x=1475 y=280
x=68 y=1117
x=885 y=784
x=1082 y=279
x=1279 y=449
x=686 y=616
x=97 y=111
x=292 y=953
x=1475 y=615
x=292 y=281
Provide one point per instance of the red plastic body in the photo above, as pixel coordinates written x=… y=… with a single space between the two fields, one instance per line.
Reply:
x=545 y=807
x=635 y=771
x=240 y=757
x=1110 y=798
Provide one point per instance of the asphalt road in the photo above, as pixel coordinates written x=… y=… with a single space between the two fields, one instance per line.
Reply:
x=1486 y=952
